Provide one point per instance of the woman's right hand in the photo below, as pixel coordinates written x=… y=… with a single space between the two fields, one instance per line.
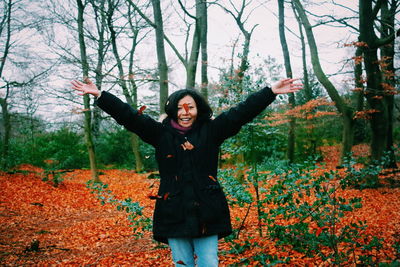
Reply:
x=85 y=88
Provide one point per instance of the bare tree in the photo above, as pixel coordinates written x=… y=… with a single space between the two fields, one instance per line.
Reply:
x=124 y=80
x=86 y=99
x=241 y=18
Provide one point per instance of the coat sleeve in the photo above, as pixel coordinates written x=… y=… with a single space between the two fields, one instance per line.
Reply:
x=144 y=126
x=229 y=123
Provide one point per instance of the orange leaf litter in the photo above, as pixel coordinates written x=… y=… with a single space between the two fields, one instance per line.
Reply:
x=74 y=229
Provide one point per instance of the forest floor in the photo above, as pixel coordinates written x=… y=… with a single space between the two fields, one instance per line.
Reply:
x=43 y=225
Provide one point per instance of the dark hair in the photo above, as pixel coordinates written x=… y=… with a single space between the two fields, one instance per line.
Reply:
x=204 y=111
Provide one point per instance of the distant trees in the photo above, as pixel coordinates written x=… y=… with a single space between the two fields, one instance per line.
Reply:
x=377 y=94
x=20 y=67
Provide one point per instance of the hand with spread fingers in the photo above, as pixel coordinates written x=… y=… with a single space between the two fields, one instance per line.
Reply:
x=86 y=87
x=285 y=86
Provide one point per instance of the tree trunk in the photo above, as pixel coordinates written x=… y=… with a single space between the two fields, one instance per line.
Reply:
x=289 y=74
x=387 y=55
x=162 y=60
x=347 y=134
x=306 y=87
x=101 y=24
x=86 y=99
x=244 y=62
x=359 y=135
x=7 y=131
x=203 y=18
x=191 y=66
x=340 y=105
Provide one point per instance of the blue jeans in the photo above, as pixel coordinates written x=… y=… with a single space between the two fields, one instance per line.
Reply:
x=204 y=249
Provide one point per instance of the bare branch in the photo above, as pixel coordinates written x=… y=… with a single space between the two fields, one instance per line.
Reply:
x=186 y=11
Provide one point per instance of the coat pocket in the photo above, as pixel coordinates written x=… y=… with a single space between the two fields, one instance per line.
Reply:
x=213 y=206
x=169 y=208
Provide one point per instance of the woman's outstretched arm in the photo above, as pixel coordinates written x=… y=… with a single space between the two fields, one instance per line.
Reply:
x=230 y=122
x=133 y=120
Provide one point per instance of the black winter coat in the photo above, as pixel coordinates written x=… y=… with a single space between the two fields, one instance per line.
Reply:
x=190 y=201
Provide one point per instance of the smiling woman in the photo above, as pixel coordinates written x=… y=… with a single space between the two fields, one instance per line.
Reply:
x=187 y=111
x=186 y=106
x=191 y=212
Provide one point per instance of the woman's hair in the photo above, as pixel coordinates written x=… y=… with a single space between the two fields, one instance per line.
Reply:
x=204 y=111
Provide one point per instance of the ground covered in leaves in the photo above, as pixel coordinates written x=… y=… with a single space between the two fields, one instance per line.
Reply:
x=66 y=225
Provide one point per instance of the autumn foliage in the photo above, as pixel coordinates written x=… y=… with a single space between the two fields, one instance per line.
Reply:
x=313 y=109
x=45 y=225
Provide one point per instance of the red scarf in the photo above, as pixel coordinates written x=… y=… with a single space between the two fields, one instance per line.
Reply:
x=180 y=129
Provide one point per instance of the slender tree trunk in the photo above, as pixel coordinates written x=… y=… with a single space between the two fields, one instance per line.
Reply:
x=162 y=60
x=133 y=90
x=289 y=74
x=101 y=18
x=86 y=99
x=7 y=131
x=203 y=18
x=191 y=65
x=307 y=88
x=244 y=62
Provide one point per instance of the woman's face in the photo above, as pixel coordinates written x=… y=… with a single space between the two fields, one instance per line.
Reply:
x=187 y=111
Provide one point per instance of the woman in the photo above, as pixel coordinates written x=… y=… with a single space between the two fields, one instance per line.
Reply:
x=191 y=211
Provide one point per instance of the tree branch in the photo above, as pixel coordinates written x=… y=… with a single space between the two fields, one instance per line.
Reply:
x=152 y=24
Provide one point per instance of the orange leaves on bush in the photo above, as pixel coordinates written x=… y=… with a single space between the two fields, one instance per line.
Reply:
x=365 y=114
x=315 y=108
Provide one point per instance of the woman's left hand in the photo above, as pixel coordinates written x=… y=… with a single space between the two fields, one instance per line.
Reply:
x=285 y=86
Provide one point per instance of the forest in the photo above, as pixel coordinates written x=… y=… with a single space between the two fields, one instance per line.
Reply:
x=313 y=180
